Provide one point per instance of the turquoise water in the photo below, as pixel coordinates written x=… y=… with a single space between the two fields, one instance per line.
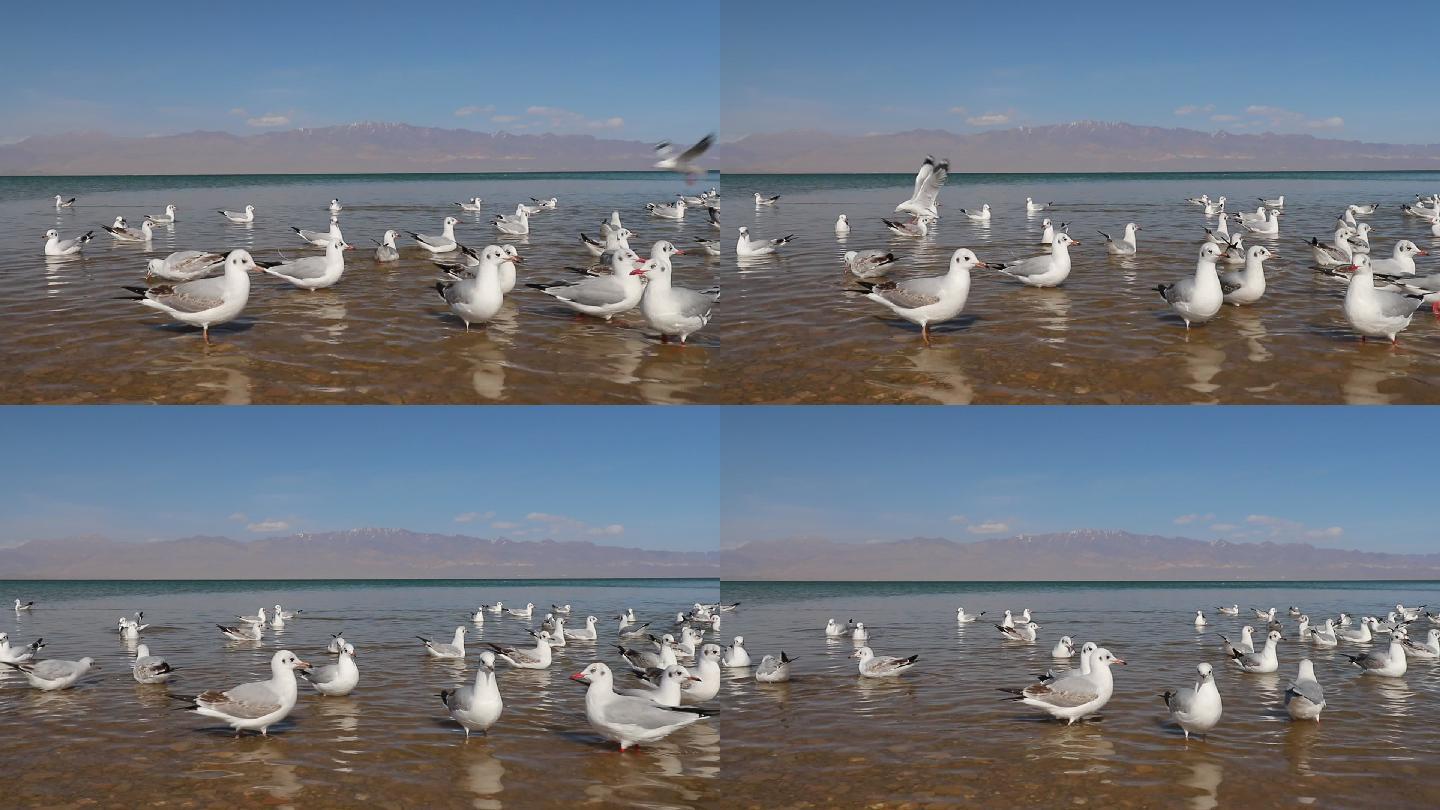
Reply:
x=46 y=187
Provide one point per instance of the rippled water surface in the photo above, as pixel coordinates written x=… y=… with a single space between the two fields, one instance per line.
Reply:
x=388 y=744
x=1104 y=337
x=941 y=733
x=379 y=336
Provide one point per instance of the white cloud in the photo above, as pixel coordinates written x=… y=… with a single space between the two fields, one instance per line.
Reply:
x=989 y=119
x=561 y=118
x=1280 y=117
x=1187 y=519
x=989 y=527
x=268 y=120
x=959 y=519
x=471 y=517
x=1327 y=532
x=1333 y=122
x=267 y=526
x=613 y=530
x=1191 y=109
x=238 y=517
x=474 y=109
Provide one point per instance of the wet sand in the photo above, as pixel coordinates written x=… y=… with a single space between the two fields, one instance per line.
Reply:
x=379 y=336
x=942 y=734
x=1105 y=337
x=114 y=743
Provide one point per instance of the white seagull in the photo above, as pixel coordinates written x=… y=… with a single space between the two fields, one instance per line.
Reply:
x=314 y=272
x=319 y=238
x=670 y=310
x=1073 y=695
x=476 y=707
x=455 y=649
x=1125 y=245
x=1374 y=312
x=1389 y=663
x=537 y=657
x=473 y=204
x=53 y=674
x=55 y=246
x=930 y=299
x=184 y=265
x=149 y=668
x=626 y=719
x=477 y=298
x=1262 y=661
x=602 y=296
x=1248 y=285
x=765 y=201
x=1196 y=709
x=240 y=217
x=684 y=162
x=923 y=200
x=386 y=250
x=872 y=666
x=204 y=302
x=337 y=679
x=1047 y=270
x=1197 y=299
x=444 y=243
x=774 y=670
x=745 y=246
x=1304 y=699
x=257 y=705
x=842 y=226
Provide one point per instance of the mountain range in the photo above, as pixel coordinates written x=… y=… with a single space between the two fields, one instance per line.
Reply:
x=1072 y=556
x=349 y=148
x=353 y=554
x=1083 y=146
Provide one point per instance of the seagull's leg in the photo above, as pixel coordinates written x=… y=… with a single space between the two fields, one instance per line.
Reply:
x=205 y=330
x=925 y=333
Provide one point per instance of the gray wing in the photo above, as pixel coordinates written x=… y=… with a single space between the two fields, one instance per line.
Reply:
x=1394 y=305
x=882 y=665
x=1310 y=690
x=192 y=296
x=1372 y=660
x=306 y=268
x=1033 y=266
x=53 y=669
x=1064 y=693
x=324 y=674
x=248 y=700
x=926 y=169
x=460 y=698
x=434 y=241
x=599 y=292
x=769 y=665
x=643 y=712
x=697 y=150
x=694 y=304
x=151 y=665
x=913 y=292
x=1182 y=290
x=927 y=186
x=1181 y=700
x=446 y=649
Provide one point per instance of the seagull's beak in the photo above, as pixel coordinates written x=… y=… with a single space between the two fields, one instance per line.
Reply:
x=1120 y=661
x=682 y=253
x=517 y=259
x=302 y=665
x=639 y=271
x=693 y=678
x=580 y=677
x=1423 y=253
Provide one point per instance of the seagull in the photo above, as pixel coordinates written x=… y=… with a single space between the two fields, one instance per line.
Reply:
x=18 y=655
x=602 y=296
x=1374 y=312
x=1401 y=262
x=55 y=246
x=455 y=649
x=149 y=668
x=642 y=661
x=547 y=204
x=1200 y=618
x=1233 y=610
x=1360 y=636
x=242 y=632
x=671 y=310
x=1247 y=286
x=1073 y=695
x=1390 y=663
x=745 y=247
x=473 y=204
x=1126 y=245
x=477 y=707
x=319 y=239
x=53 y=674
x=204 y=302
x=774 y=670
x=444 y=243
x=634 y=630
x=872 y=666
x=1064 y=648
x=588 y=634
x=931 y=299
x=386 y=250
x=1324 y=636
x=314 y=272
x=923 y=200
x=1196 y=300
x=834 y=629
x=917 y=227
x=1304 y=700
x=842 y=226
x=517 y=224
x=537 y=657
x=1221 y=234
x=626 y=719
x=259 y=618
x=1259 y=662
x=1429 y=649
x=983 y=215
x=615 y=239
x=184 y=265
x=962 y=617
x=167 y=218
x=707 y=683
x=683 y=163
x=337 y=679
x=710 y=246
x=1337 y=252
x=1269 y=225
x=735 y=655
x=675 y=210
x=1261 y=215
x=335 y=206
x=714 y=214
x=1048 y=270
x=257 y=705
x=1410 y=614
x=478 y=298
x=667 y=691
x=858 y=632
x=765 y=201
x=337 y=644
x=1359 y=210
x=1277 y=202
x=61 y=202
x=1020 y=632
x=1032 y=207
x=242 y=217
x=123 y=234
x=1215 y=207
x=1198 y=708
x=1246 y=645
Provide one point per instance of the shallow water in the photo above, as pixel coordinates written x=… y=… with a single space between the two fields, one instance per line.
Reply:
x=381 y=335
x=942 y=733
x=389 y=743
x=1105 y=337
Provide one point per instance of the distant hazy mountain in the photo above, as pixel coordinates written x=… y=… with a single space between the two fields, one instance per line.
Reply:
x=366 y=147
x=354 y=554
x=1085 y=146
x=1078 y=555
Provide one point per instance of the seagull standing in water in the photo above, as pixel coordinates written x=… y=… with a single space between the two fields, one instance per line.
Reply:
x=1197 y=299
x=626 y=719
x=1048 y=270
x=337 y=679
x=1197 y=709
x=1073 y=695
x=53 y=674
x=745 y=246
x=928 y=300
x=476 y=707
x=1304 y=700
x=257 y=705
x=204 y=302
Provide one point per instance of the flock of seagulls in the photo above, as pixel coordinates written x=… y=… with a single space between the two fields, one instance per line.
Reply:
x=1381 y=297
x=206 y=289
x=1082 y=691
x=663 y=693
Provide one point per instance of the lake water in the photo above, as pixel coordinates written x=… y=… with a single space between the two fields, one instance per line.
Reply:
x=389 y=743
x=1105 y=337
x=942 y=733
x=381 y=335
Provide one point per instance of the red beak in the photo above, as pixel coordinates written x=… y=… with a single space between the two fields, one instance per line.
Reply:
x=579 y=676
x=682 y=253
x=639 y=271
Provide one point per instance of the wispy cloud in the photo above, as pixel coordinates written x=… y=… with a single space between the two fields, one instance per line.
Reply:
x=1281 y=118
x=268 y=120
x=561 y=118
x=989 y=527
x=267 y=526
x=989 y=119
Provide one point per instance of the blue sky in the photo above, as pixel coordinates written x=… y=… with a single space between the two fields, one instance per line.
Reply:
x=1332 y=69
x=1306 y=474
x=527 y=473
x=645 y=70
